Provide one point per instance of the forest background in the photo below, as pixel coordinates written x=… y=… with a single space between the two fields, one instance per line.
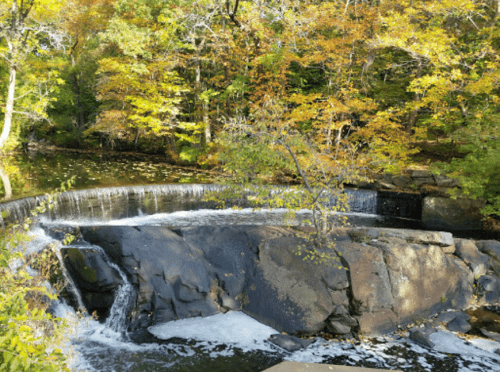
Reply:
x=264 y=88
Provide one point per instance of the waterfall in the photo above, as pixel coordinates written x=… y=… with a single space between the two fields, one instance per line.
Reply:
x=106 y=204
x=117 y=318
x=118 y=312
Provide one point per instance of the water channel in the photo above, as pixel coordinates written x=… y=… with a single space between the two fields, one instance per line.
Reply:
x=224 y=342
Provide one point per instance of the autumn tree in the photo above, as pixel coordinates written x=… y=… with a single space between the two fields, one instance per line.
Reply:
x=26 y=28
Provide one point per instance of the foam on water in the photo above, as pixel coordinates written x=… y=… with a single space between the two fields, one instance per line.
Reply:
x=234 y=327
x=218 y=217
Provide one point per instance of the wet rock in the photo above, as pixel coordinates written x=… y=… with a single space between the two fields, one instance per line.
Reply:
x=478 y=262
x=200 y=271
x=95 y=278
x=290 y=343
x=90 y=271
x=459 y=325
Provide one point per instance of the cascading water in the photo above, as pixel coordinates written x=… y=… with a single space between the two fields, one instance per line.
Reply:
x=125 y=202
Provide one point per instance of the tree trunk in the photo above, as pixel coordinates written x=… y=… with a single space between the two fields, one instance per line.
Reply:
x=6 y=183
x=9 y=107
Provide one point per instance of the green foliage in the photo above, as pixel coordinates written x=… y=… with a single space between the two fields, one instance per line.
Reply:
x=30 y=339
x=189 y=154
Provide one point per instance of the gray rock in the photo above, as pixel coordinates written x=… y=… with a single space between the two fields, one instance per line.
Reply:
x=290 y=343
x=459 y=325
x=90 y=270
x=199 y=271
x=492 y=249
x=95 y=278
x=421 y=336
x=488 y=288
x=492 y=335
x=443 y=181
x=448 y=316
x=478 y=262
x=288 y=293
x=385 y=185
x=338 y=327
x=489 y=247
x=440 y=238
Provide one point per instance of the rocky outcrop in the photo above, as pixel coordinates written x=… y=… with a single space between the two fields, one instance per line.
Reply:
x=393 y=276
x=96 y=279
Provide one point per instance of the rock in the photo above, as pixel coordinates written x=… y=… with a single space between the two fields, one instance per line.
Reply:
x=443 y=181
x=371 y=287
x=385 y=185
x=421 y=336
x=459 y=325
x=200 y=271
x=440 y=238
x=170 y=276
x=492 y=335
x=290 y=294
x=421 y=174
x=478 y=262
x=488 y=288
x=341 y=324
x=290 y=343
x=489 y=247
x=497 y=351
x=451 y=214
x=401 y=182
x=90 y=270
x=378 y=322
x=423 y=279
x=448 y=316
x=95 y=278
x=451 y=249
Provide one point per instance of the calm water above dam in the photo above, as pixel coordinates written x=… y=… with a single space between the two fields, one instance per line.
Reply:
x=37 y=174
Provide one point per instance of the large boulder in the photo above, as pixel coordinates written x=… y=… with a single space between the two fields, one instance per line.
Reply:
x=97 y=280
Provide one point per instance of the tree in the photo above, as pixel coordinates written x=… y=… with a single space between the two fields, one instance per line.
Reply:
x=26 y=27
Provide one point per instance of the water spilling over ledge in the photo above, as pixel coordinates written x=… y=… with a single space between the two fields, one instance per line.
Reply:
x=125 y=202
